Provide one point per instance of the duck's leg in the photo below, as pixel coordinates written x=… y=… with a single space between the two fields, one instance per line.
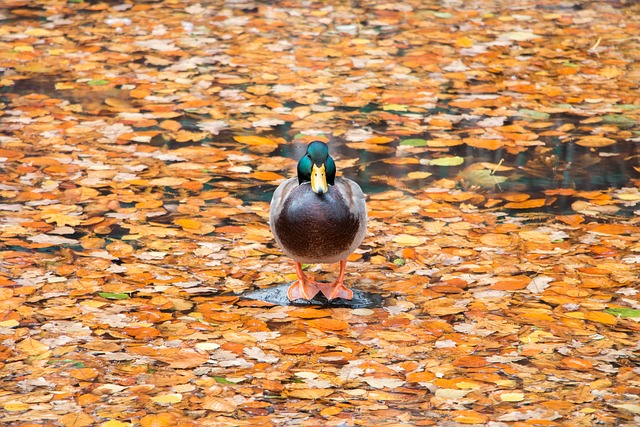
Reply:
x=337 y=289
x=303 y=288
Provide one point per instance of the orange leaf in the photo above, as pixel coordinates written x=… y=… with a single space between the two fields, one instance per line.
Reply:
x=329 y=324
x=614 y=229
x=493 y=239
x=595 y=141
x=149 y=204
x=32 y=347
x=601 y=317
x=469 y=417
x=487 y=144
x=303 y=349
x=84 y=374
x=142 y=332
x=76 y=419
x=527 y=204
x=254 y=140
x=470 y=362
x=401 y=161
x=171 y=125
x=572 y=220
x=515 y=197
x=140 y=93
x=417 y=377
x=512 y=284
x=88 y=399
x=266 y=176
x=188 y=223
x=309 y=313
x=164 y=419
x=379 y=140
x=577 y=363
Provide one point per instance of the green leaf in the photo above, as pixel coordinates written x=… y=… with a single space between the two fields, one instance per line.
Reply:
x=626 y=107
x=618 y=119
x=114 y=295
x=443 y=15
x=223 y=380
x=482 y=178
x=447 y=161
x=533 y=114
x=98 y=82
x=623 y=312
x=414 y=142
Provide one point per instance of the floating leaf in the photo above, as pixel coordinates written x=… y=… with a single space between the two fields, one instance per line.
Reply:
x=413 y=143
x=255 y=140
x=527 y=204
x=97 y=82
x=595 y=141
x=447 y=161
x=483 y=178
x=533 y=114
x=619 y=119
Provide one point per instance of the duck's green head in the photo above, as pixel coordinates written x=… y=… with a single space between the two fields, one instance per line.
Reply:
x=317 y=167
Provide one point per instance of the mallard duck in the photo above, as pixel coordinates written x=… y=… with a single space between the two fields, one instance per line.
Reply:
x=318 y=218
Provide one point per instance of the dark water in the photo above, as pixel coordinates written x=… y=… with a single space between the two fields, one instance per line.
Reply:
x=559 y=164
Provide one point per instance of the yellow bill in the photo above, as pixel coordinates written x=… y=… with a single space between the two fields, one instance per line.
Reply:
x=319 y=180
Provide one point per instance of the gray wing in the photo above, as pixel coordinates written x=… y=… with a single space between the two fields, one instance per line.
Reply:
x=277 y=200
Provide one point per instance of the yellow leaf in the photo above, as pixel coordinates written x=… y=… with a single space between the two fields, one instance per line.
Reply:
x=379 y=140
x=535 y=236
x=418 y=175
x=149 y=204
x=188 y=223
x=76 y=419
x=512 y=397
x=601 y=317
x=23 y=48
x=309 y=393
x=394 y=107
x=38 y=32
x=16 y=406
x=168 y=182
x=65 y=86
x=464 y=41
x=470 y=417
x=9 y=323
x=595 y=141
x=32 y=347
x=164 y=419
x=254 y=140
x=170 y=398
x=408 y=240
x=115 y=423
x=537 y=336
x=84 y=374
x=61 y=219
